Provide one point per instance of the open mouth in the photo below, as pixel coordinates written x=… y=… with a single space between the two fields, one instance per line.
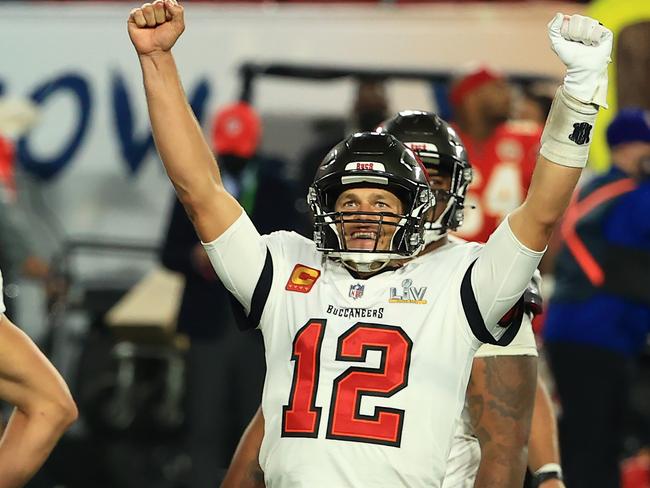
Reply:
x=364 y=234
x=362 y=238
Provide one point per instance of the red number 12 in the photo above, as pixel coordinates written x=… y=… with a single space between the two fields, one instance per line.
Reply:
x=301 y=417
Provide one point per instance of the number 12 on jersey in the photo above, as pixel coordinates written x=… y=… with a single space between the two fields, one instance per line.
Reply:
x=301 y=417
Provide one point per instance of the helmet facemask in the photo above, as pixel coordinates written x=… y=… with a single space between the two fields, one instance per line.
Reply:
x=441 y=152
x=333 y=229
x=365 y=167
x=457 y=178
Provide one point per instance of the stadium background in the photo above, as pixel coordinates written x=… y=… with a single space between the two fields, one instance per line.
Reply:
x=90 y=183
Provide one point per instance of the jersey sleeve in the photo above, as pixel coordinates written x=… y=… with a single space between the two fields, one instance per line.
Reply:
x=494 y=282
x=243 y=263
x=523 y=343
x=2 y=293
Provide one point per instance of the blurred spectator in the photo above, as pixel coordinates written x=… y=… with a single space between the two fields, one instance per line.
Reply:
x=7 y=164
x=225 y=367
x=369 y=110
x=502 y=153
x=18 y=257
x=629 y=75
x=636 y=471
x=43 y=407
x=535 y=103
x=599 y=316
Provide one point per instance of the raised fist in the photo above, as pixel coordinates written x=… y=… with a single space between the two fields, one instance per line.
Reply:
x=156 y=26
x=585 y=47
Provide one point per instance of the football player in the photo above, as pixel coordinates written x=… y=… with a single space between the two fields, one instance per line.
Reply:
x=501 y=391
x=368 y=359
x=44 y=408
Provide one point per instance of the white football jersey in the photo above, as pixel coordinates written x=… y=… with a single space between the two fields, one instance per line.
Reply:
x=463 y=461
x=465 y=454
x=366 y=378
x=2 y=293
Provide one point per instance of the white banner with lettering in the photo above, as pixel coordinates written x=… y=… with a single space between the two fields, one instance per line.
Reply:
x=92 y=147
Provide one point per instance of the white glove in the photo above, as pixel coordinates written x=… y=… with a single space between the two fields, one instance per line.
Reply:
x=585 y=47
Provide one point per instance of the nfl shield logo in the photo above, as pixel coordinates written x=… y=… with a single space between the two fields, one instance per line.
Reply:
x=356 y=291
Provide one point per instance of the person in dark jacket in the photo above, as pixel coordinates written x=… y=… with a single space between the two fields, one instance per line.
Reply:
x=370 y=108
x=599 y=316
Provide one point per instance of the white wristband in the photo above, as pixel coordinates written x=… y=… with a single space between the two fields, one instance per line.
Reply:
x=568 y=131
x=549 y=468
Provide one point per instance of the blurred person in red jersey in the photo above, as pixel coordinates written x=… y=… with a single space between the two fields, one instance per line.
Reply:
x=535 y=102
x=6 y=163
x=502 y=152
x=636 y=471
x=19 y=255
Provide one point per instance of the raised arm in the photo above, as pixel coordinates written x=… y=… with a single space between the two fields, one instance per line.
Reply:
x=584 y=46
x=154 y=28
x=509 y=258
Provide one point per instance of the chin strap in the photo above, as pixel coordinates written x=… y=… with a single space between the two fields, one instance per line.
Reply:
x=436 y=231
x=355 y=269
x=371 y=267
x=433 y=235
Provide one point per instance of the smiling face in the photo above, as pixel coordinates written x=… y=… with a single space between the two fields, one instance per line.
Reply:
x=372 y=201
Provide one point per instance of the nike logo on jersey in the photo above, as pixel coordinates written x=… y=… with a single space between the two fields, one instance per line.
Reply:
x=302 y=279
x=408 y=293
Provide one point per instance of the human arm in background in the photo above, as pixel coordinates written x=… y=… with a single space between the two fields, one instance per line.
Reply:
x=543 y=446
x=44 y=408
x=500 y=398
x=504 y=394
x=244 y=470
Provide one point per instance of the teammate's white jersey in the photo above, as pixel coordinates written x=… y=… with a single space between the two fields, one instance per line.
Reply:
x=463 y=461
x=522 y=345
x=366 y=378
x=2 y=302
x=465 y=453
